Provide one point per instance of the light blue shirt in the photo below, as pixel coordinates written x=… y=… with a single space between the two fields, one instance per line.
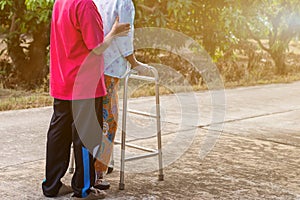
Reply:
x=115 y=63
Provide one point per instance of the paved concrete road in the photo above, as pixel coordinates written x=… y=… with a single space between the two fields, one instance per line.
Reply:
x=257 y=155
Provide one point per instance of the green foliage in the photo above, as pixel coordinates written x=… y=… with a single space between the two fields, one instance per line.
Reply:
x=4 y=14
x=30 y=13
x=277 y=21
x=199 y=19
x=26 y=26
x=24 y=16
x=166 y=14
x=39 y=10
x=3 y=4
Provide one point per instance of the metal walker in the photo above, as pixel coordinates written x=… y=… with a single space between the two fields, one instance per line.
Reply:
x=151 y=152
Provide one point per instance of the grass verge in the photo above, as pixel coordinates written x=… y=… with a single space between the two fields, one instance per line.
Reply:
x=18 y=99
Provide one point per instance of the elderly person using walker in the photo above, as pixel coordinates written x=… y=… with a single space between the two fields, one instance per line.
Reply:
x=116 y=59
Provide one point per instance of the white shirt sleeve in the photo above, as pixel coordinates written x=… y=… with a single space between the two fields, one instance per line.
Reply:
x=126 y=12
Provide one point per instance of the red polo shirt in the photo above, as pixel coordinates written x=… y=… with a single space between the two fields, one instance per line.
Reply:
x=75 y=72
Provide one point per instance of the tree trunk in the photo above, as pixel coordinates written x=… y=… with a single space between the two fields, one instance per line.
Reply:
x=31 y=67
x=37 y=69
x=209 y=42
x=14 y=49
x=278 y=56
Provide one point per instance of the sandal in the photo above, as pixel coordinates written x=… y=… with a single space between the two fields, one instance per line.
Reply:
x=94 y=194
x=64 y=189
x=101 y=184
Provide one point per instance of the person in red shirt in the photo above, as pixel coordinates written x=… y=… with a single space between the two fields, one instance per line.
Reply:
x=77 y=85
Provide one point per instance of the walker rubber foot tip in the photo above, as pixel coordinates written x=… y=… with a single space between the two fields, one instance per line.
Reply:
x=160 y=177
x=121 y=186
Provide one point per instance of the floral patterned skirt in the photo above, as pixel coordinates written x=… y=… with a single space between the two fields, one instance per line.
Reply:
x=110 y=122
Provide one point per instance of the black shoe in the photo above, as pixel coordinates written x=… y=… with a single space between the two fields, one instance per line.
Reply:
x=101 y=184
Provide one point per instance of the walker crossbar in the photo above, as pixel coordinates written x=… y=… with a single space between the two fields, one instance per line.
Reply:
x=141 y=157
x=140 y=113
x=137 y=147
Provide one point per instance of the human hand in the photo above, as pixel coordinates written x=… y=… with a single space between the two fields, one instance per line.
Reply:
x=141 y=68
x=120 y=29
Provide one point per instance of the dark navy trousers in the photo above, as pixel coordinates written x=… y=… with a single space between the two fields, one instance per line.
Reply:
x=79 y=122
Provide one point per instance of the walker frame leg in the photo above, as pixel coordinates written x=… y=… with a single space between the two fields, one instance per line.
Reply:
x=158 y=121
x=124 y=120
x=72 y=164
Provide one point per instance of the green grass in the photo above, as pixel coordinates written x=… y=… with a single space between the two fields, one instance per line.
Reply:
x=17 y=99
x=289 y=78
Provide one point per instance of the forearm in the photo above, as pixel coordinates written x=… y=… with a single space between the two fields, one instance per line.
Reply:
x=132 y=60
x=103 y=46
